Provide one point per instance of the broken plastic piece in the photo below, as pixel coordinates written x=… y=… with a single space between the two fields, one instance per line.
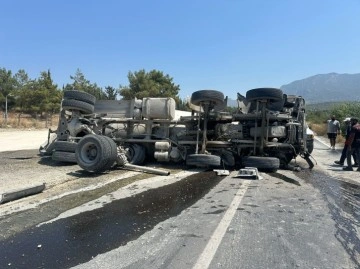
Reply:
x=221 y=172
x=249 y=173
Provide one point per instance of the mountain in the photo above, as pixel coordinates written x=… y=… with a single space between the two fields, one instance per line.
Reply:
x=326 y=88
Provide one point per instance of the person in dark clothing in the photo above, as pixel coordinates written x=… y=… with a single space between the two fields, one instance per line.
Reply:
x=353 y=143
x=347 y=121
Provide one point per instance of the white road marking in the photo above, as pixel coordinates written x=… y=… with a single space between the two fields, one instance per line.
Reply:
x=322 y=142
x=208 y=253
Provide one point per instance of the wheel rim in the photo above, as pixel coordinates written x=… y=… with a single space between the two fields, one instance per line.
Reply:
x=89 y=152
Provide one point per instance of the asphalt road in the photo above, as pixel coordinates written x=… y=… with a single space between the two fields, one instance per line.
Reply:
x=281 y=221
x=305 y=219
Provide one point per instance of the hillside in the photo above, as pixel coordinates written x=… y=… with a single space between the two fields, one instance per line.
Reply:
x=326 y=88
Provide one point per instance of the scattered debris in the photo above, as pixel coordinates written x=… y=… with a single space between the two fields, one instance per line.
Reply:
x=249 y=173
x=222 y=172
x=145 y=169
x=20 y=193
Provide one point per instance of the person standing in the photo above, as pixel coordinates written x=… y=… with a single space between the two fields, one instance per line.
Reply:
x=347 y=121
x=353 y=143
x=333 y=129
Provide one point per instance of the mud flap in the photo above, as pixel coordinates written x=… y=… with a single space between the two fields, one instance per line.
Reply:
x=47 y=147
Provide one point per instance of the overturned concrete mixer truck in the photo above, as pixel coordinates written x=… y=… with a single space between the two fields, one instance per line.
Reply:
x=267 y=131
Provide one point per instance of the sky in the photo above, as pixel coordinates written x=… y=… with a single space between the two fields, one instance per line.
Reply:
x=226 y=45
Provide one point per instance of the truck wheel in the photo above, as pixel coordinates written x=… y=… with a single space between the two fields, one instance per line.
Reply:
x=272 y=94
x=93 y=153
x=135 y=153
x=62 y=156
x=65 y=146
x=310 y=146
x=203 y=160
x=113 y=154
x=70 y=104
x=214 y=97
x=288 y=104
x=277 y=105
x=262 y=163
x=227 y=158
x=80 y=96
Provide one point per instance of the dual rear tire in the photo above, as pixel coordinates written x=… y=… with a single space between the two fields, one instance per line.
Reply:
x=203 y=160
x=268 y=164
x=78 y=101
x=275 y=98
x=96 y=153
x=64 y=151
x=215 y=98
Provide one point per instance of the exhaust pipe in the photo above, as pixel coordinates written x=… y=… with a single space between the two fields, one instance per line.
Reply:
x=146 y=169
x=122 y=161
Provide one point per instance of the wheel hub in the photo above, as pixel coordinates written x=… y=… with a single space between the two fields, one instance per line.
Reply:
x=92 y=152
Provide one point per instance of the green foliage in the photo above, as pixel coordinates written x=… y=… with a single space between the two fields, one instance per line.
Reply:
x=37 y=96
x=110 y=93
x=340 y=110
x=322 y=106
x=182 y=105
x=21 y=78
x=149 y=84
x=344 y=110
x=48 y=93
x=41 y=95
x=80 y=83
x=30 y=96
x=7 y=87
x=317 y=116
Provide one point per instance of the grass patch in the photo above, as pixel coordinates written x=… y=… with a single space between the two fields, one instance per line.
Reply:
x=321 y=130
x=25 y=121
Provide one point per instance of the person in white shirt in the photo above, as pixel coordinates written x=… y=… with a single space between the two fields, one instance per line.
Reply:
x=333 y=129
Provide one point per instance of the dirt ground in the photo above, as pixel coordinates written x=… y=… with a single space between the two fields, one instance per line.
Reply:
x=22 y=167
x=15 y=139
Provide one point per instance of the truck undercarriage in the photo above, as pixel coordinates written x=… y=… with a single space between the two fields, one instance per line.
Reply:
x=267 y=131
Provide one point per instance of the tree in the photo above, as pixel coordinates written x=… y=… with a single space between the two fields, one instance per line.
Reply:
x=23 y=90
x=7 y=87
x=80 y=83
x=21 y=78
x=151 y=84
x=110 y=93
x=344 y=110
x=182 y=105
x=49 y=93
x=37 y=96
